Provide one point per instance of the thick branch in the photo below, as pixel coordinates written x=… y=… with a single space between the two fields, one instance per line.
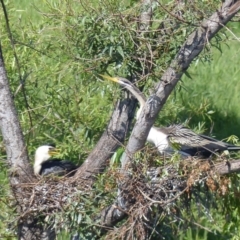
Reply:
x=228 y=167
x=17 y=156
x=111 y=139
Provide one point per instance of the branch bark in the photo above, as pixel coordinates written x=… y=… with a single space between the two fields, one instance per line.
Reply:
x=17 y=156
x=228 y=167
x=110 y=140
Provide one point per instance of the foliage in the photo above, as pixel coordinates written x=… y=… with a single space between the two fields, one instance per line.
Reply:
x=7 y=206
x=63 y=45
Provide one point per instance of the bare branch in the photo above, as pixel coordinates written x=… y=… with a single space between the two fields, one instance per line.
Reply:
x=111 y=139
x=228 y=167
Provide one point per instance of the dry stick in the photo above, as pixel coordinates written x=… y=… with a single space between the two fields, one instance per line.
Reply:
x=162 y=203
x=176 y=16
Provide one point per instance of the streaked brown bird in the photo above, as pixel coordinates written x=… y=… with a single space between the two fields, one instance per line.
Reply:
x=189 y=143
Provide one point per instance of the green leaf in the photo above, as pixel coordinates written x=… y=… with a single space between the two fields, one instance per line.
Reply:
x=120 y=51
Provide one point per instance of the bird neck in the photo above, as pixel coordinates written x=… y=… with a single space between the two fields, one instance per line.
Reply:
x=37 y=169
x=139 y=112
x=39 y=160
x=142 y=103
x=139 y=96
x=141 y=99
x=159 y=139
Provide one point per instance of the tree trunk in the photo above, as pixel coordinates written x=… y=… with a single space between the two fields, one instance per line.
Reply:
x=110 y=140
x=17 y=158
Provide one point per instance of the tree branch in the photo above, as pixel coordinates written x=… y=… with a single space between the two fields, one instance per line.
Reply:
x=17 y=156
x=110 y=140
x=224 y=168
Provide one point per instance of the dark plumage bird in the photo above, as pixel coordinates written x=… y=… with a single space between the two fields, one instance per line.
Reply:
x=192 y=144
x=44 y=165
x=165 y=138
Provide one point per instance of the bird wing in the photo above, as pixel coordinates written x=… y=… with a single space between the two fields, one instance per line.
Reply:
x=57 y=167
x=185 y=140
x=215 y=140
x=179 y=134
x=195 y=144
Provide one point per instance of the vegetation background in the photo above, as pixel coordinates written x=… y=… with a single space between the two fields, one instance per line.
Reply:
x=64 y=101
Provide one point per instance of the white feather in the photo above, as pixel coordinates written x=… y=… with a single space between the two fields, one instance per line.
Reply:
x=41 y=155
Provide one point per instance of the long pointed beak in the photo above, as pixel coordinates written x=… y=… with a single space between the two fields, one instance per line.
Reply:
x=114 y=79
x=54 y=151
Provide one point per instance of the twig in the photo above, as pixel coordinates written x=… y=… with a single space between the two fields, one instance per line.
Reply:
x=22 y=81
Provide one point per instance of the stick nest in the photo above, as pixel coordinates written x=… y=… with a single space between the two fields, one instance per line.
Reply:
x=46 y=195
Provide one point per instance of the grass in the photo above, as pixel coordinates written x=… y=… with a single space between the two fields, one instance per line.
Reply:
x=218 y=84
x=26 y=11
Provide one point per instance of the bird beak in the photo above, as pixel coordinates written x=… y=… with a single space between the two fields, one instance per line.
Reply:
x=53 y=151
x=114 y=79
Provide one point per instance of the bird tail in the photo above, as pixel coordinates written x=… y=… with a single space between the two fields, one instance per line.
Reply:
x=233 y=148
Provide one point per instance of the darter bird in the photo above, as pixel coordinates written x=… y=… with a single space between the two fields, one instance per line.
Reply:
x=188 y=142
x=45 y=165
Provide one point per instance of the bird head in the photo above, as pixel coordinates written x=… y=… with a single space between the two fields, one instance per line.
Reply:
x=44 y=152
x=130 y=87
x=122 y=81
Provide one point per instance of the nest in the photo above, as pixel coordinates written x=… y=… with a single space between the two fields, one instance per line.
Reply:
x=46 y=196
x=164 y=191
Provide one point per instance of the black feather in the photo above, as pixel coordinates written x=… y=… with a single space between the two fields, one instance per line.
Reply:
x=51 y=145
x=58 y=167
